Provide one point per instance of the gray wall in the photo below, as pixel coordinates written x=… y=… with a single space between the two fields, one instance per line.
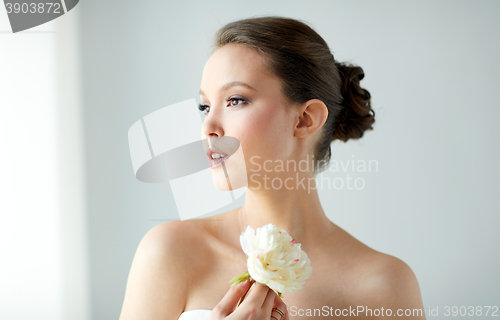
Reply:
x=433 y=71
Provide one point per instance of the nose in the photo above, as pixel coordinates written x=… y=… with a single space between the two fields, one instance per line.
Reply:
x=212 y=127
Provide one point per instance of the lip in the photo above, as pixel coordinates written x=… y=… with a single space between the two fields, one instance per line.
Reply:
x=216 y=162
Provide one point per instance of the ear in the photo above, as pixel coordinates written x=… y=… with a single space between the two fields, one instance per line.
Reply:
x=311 y=117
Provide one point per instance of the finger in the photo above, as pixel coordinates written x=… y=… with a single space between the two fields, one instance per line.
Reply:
x=229 y=301
x=257 y=293
x=280 y=304
x=268 y=302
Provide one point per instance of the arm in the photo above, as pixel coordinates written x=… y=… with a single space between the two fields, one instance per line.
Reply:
x=156 y=288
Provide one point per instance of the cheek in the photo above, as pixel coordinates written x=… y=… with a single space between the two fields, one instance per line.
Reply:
x=264 y=135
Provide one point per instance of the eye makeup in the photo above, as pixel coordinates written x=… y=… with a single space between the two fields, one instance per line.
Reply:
x=206 y=108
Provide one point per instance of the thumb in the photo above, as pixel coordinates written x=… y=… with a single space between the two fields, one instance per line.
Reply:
x=230 y=300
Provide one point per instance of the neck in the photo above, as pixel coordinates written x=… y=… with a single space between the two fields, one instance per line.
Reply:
x=297 y=210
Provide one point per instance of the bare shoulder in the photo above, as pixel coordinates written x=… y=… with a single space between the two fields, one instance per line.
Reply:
x=391 y=278
x=389 y=283
x=392 y=284
x=156 y=286
x=380 y=280
x=175 y=235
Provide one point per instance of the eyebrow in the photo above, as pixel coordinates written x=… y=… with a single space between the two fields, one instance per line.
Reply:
x=232 y=84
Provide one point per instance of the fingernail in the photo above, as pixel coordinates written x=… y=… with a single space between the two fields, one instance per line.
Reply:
x=241 y=283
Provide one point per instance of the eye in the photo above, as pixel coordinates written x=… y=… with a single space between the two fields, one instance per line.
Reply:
x=233 y=102
x=204 y=107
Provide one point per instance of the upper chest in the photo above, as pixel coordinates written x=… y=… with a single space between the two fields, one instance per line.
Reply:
x=328 y=286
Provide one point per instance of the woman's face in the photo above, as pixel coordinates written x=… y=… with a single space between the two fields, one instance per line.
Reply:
x=246 y=102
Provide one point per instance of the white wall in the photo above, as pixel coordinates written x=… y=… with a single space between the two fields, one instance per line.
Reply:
x=73 y=214
x=432 y=69
x=44 y=264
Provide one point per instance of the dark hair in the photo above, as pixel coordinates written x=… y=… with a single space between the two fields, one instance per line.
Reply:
x=302 y=59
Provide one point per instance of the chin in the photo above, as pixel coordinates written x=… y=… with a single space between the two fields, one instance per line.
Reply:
x=236 y=173
x=224 y=184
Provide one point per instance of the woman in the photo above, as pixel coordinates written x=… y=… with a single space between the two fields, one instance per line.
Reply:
x=273 y=84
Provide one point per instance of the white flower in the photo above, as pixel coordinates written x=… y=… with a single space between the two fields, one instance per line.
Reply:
x=274 y=259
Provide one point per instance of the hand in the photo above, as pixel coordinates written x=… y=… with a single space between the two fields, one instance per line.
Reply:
x=259 y=304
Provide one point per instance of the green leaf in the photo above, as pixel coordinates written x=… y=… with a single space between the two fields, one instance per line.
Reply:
x=240 y=278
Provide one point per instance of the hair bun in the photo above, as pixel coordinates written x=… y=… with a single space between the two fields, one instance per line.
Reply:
x=357 y=115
